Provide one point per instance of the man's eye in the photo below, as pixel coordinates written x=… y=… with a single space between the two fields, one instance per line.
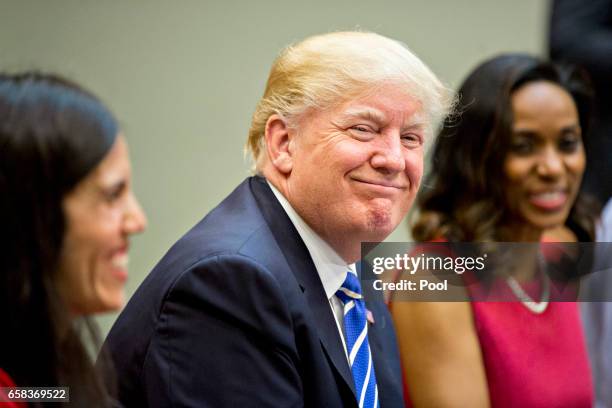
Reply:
x=362 y=128
x=411 y=139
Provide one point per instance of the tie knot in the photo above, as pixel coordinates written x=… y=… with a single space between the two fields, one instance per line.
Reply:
x=350 y=289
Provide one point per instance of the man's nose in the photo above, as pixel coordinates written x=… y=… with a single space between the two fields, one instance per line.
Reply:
x=388 y=156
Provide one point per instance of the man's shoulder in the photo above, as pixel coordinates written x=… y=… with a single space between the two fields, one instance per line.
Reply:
x=228 y=265
x=232 y=244
x=235 y=229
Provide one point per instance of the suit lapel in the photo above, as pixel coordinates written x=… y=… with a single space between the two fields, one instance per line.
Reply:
x=326 y=323
x=306 y=274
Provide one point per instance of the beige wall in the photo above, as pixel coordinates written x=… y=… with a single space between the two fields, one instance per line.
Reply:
x=184 y=76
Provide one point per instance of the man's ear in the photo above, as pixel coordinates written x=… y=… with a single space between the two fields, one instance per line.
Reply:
x=278 y=143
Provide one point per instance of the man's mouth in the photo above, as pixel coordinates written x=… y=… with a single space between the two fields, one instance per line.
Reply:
x=385 y=184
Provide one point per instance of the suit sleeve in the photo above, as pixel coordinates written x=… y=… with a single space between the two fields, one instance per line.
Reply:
x=224 y=339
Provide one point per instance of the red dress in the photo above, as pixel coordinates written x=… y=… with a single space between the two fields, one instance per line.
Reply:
x=533 y=360
x=6 y=381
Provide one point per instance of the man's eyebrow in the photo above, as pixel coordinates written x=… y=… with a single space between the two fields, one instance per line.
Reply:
x=415 y=122
x=370 y=114
x=413 y=125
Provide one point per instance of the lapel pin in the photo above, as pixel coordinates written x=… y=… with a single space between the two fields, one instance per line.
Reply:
x=369 y=316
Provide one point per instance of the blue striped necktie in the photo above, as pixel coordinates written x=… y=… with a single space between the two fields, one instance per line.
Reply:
x=356 y=330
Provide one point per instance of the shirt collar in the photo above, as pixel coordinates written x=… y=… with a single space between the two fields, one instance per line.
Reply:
x=330 y=266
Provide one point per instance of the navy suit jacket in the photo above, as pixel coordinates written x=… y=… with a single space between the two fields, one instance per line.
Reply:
x=235 y=315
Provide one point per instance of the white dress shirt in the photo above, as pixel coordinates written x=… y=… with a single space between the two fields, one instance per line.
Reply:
x=331 y=267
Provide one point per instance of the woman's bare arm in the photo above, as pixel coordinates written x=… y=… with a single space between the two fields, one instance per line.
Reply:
x=440 y=354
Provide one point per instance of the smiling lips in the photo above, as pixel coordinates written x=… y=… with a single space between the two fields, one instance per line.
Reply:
x=549 y=200
x=119 y=262
x=382 y=184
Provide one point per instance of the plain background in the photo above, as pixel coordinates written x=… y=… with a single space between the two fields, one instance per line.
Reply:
x=184 y=77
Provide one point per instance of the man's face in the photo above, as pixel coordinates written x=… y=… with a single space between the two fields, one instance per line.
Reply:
x=357 y=166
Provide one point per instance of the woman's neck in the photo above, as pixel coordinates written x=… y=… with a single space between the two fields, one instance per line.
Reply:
x=520 y=233
x=524 y=259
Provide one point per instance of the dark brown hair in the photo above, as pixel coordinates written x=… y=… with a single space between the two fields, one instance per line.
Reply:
x=463 y=198
x=52 y=134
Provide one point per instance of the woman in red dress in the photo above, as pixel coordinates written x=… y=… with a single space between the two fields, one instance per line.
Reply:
x=66 y=213
x=6 y=381
x=506 y=169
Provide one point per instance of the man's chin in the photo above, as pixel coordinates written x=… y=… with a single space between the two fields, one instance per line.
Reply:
x=381 y=224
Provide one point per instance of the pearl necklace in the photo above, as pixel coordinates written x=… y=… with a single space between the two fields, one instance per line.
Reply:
x=526 y=300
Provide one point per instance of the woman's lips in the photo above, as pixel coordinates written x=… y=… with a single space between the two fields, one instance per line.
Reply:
x=119 y=263
x=549 y=200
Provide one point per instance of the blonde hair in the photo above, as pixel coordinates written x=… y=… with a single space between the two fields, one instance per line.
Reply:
x=324 y=70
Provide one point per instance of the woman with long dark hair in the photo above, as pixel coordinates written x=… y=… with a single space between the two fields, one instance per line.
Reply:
x=506 y=169
x=66 y=211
